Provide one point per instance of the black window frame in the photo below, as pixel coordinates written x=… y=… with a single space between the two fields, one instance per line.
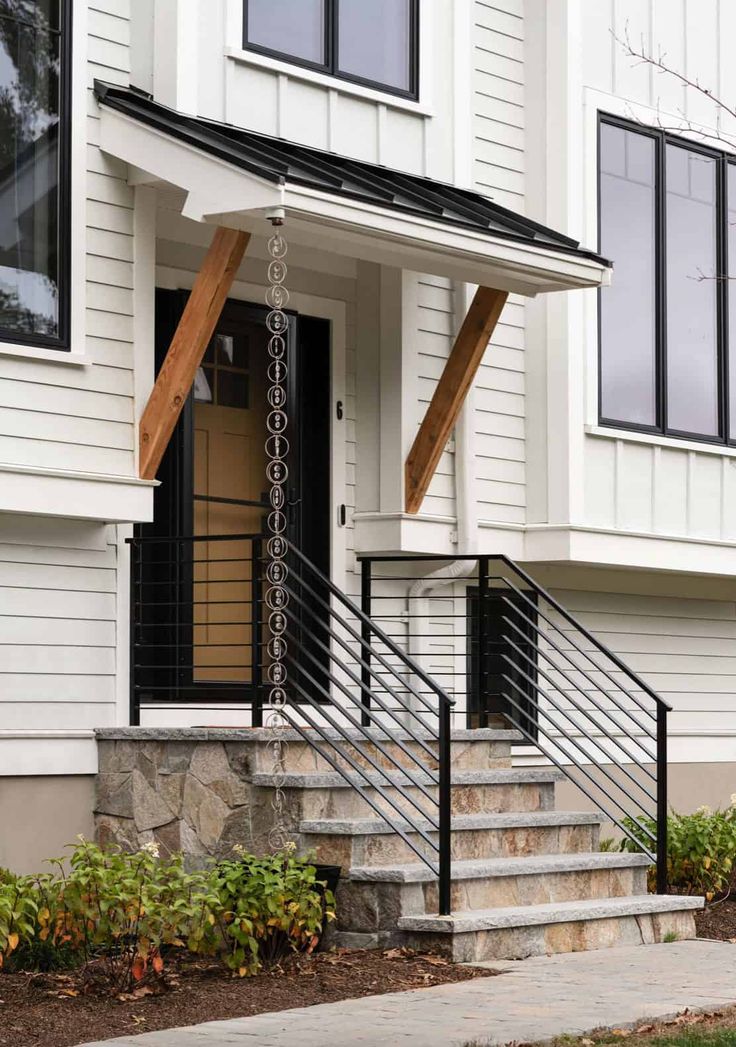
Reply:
x=723 y=160
x=331 y=65
x=62 y=341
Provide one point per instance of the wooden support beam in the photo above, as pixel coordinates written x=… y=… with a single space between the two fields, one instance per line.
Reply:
x=184 y=355
x=449 y=396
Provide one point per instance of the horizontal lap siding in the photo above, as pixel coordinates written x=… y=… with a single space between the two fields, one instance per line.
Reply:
x=435 y=330
x=57 y=635
x=685 y=649
x=81 y=418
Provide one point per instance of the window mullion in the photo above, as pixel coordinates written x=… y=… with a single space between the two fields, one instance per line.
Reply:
x=661 y=278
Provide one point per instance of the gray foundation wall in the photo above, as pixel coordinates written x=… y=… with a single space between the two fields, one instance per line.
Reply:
x=40 y=815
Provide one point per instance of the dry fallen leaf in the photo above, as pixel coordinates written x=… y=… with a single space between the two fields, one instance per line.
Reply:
x=644 y=1028
x=622 y=1033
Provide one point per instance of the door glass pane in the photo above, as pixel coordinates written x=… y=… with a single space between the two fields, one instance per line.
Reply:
x=732 y=299
x=373 y=41
x=29 y=171
x=692 y=293
x=291 y=27
x=627 y=215
x=229 y=467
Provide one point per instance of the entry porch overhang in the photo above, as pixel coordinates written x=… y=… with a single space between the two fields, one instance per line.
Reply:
x=235 y=178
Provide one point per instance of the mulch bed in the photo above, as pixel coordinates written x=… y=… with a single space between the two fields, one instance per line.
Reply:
x=39 y=1010
x=718 y=921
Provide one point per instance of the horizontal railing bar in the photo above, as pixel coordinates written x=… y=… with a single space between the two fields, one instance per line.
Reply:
x=371 y=803
x=381 y=771
x=366 y=711
x=155 y=539
x=381 y=658
x=585 y=654
x=354 y=609
x=579 y=690
x=231 y=501
x=189 y=624
x=595 y=801
x=574 y=741
x=364 y=687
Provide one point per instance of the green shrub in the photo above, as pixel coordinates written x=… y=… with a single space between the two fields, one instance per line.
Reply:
x=269 y=906
x=122 y=913
x=701 y=849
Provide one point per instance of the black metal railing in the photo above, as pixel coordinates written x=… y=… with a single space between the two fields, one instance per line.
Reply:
x=509 y=652
x=200 y=627
x=196 y=619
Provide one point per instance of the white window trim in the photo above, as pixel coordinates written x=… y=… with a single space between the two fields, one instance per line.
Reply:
x=235 y=52
x=76 y=354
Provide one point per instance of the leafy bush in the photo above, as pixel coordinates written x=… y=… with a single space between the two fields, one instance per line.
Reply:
x=271 y=905
x=701 y=849
x=121 y=913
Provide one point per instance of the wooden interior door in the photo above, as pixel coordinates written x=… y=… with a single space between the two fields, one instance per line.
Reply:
x=229 y=481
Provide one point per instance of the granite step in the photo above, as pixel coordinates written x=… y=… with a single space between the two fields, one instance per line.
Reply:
x=479 y=884
x=478 y=749
x=516 y=932
x=371 y=841
x=323 y=795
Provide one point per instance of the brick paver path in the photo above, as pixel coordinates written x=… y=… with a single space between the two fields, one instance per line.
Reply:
x=533 y=1000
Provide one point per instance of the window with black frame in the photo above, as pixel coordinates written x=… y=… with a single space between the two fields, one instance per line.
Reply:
x=374 y=44
x=34 y=175
x=666 y=213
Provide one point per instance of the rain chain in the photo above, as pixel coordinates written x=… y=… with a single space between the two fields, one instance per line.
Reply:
x=277 y=571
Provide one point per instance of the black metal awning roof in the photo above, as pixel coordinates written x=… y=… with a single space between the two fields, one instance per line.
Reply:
x=282 y=162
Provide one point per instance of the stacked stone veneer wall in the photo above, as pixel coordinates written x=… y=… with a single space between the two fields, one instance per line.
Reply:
x=188 y=790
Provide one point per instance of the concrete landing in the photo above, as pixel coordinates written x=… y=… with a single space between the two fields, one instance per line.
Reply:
x=533 y=999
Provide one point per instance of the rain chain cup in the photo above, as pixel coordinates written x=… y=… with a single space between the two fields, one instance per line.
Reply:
x=277 y=449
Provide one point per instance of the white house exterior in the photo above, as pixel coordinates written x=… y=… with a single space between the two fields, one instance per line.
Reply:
x=634 y=532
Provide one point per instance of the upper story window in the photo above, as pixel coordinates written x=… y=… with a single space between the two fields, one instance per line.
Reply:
x=667 y=209
x=34 y=205
x=375 y=43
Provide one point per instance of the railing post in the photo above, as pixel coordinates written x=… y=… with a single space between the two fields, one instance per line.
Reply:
x=256 y=634
x=662 y=798
x=134 y=713
x=445 y=808
x=482 y=641
x=365 y=645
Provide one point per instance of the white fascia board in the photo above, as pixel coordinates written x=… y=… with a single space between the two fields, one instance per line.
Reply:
x=422 y=245
x=47 y=752
x=546 y=543
x=108 y=498
x=220 y=193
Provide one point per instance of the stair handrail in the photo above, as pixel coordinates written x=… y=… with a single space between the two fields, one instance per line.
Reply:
x=630 y=821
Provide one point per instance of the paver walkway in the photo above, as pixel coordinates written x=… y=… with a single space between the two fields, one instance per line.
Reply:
x=533 y=1000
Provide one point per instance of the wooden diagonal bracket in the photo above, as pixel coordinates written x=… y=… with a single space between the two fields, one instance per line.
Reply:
x=195 y=328
x=449 y=396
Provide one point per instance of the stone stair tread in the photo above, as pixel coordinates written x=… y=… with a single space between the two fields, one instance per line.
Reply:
x=333 y=780
x=476 y=868
x=554 y=912
x=507 y=820
x=266 y=734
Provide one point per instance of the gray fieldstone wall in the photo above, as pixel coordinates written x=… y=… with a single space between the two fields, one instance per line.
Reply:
x=187 y=790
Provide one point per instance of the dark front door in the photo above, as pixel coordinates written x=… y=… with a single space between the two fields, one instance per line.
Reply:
x=200 y=588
